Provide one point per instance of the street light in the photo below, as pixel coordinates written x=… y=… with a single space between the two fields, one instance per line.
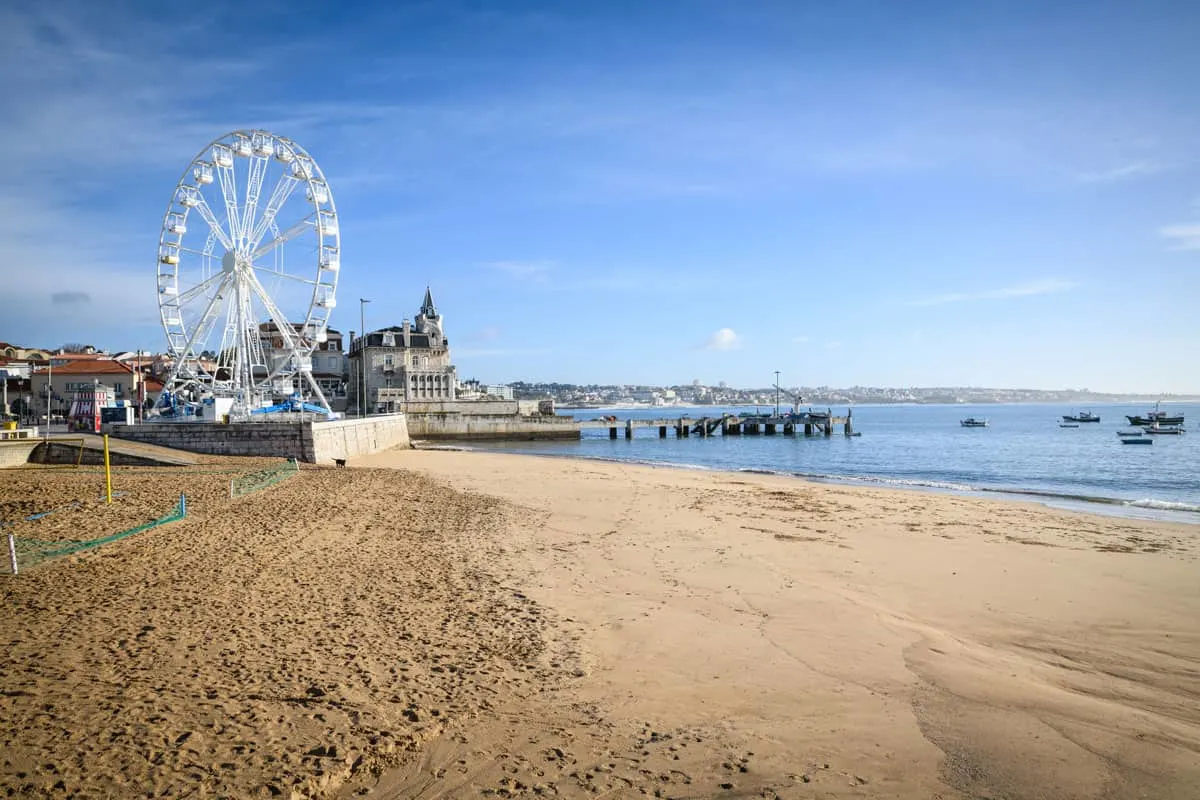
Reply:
x=777 y=393
x=362 y=355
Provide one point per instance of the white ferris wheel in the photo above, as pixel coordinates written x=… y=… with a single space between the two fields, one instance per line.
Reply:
x=248 y=262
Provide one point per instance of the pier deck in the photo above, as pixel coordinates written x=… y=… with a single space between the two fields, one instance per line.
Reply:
x=807 y=423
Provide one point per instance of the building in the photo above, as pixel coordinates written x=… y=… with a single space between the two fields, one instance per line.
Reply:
x=328 y=361
x=66 y=376
x=402 y=364
x=13 y=352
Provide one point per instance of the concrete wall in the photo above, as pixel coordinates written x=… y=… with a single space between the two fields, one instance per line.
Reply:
x=355 y=437
x=435 y=427
x=283 y=439
x=466 y=407
x=305 y=440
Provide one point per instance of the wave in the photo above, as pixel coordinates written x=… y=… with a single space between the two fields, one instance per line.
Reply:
x=917 y=483
x=1162 y=505
x=1050 y=496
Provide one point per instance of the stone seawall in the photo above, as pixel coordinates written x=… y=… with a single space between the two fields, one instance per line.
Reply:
x=358 y=437
x=442 y=427
x=303 y=440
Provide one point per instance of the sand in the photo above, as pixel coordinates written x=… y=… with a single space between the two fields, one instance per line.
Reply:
x=442 y=624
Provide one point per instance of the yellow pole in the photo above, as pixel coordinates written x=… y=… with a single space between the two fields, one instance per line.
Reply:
x=107 y=472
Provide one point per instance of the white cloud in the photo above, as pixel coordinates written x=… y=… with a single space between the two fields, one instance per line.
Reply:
x=1032 y=289
x=1134 y=169
x=1182 y=237
x=724 y=339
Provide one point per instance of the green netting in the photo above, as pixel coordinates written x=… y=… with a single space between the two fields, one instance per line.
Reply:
x=33 y=551
x=257 y=481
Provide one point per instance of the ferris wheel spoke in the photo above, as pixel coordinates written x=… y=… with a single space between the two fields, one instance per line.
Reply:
x=273 y=273
x=258 y=171
x=282 y=324
x=279 y=195
x=205 y=320
x=290 y=233
x=228 y=180
x=193 y=251
x=200 y=288
x=206 y=213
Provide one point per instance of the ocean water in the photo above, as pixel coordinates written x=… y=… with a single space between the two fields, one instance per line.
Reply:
x=1023 y=452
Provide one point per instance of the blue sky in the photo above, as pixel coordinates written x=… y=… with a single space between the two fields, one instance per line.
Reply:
x=1003 y=194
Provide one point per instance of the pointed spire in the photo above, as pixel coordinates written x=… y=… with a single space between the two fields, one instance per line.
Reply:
x=427 y=308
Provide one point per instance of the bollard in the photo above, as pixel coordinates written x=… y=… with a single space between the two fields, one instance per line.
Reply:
x=107 y=473
x=12 y=552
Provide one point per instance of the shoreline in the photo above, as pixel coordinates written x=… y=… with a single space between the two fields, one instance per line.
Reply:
x=1146 y=509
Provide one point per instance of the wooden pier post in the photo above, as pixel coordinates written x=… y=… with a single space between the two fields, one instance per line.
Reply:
x=808 y=429
x=849 y=429
x=770 y=428
x=662 y=431
x=629 y=429
x=612 y=432
x=789 y=429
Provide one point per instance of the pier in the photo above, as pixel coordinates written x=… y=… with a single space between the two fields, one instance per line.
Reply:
x=808 y=423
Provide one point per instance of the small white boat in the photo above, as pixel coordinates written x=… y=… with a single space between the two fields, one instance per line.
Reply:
x=1164 y=430
x=971 y=422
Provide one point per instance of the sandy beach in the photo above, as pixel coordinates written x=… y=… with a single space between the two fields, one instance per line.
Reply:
x=446 y=624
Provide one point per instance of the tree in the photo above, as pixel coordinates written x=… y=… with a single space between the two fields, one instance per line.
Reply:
x=77 y=347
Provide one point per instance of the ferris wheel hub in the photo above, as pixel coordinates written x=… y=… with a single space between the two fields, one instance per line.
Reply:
x=229 y=261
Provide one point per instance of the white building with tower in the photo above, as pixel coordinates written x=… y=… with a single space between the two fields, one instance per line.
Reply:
x=406 y=363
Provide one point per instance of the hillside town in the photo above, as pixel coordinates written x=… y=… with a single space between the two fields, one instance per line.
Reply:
x=39 y=381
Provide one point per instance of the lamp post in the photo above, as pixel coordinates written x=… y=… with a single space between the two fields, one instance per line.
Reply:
x=49 y=391
x=777 y=393
x=362 y=356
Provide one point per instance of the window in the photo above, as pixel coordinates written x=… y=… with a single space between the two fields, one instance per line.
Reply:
x=387 y=361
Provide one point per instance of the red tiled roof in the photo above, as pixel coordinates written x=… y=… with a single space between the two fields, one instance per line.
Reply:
x=95 y=366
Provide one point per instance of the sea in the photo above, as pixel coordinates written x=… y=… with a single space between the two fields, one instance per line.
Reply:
x=1023 y=453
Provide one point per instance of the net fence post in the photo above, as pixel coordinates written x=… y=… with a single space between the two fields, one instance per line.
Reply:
x=12 y=552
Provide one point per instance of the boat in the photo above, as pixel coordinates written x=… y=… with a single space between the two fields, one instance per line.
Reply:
x=1068 y=424
x=1164 y=430
x=971 y=422
x=1129 y=434
x=1139 y=440
x=1082 y=416
x=1161 y=417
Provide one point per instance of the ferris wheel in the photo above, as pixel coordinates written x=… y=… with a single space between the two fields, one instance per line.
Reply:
x=248 y=262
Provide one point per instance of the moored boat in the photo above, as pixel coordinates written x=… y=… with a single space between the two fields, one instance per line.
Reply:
x=1164 y=430
x=1068 y=424
x=1082 y=416
x=971 y=422
x=1138 y=440
x=1129 y=434
x=1161 y=417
